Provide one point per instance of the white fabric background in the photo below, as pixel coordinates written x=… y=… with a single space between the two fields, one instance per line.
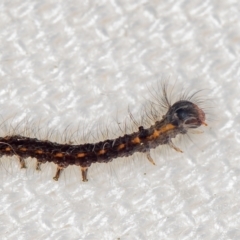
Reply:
x=84 y=63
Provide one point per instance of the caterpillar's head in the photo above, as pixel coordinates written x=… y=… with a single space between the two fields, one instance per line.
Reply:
x=185 y=114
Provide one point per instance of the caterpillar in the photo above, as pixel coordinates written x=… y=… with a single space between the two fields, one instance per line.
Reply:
x=179 y=118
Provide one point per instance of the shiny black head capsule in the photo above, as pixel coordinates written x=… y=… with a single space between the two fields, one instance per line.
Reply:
x=185 y=114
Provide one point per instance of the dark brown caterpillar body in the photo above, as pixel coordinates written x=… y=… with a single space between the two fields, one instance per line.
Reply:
x=181 y=116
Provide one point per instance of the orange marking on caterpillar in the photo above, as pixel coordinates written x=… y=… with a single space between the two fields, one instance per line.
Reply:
x=121 y=146
x=162 y=130
x=80 y=155
x=101 y=152
x=58 y=155
x=39 y=151
x=136 y=140
x=23 y=149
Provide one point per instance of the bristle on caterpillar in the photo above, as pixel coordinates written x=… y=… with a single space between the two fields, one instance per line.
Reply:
x=178 y=119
